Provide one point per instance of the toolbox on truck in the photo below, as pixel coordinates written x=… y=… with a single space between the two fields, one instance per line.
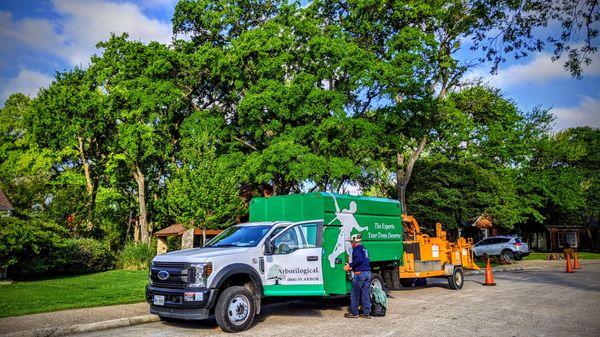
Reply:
x=377 y=219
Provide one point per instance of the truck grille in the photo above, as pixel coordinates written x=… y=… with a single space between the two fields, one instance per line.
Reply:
x=172 y=285
x=178 y=275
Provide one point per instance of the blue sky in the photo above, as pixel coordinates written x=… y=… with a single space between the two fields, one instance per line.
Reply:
x=39 y=37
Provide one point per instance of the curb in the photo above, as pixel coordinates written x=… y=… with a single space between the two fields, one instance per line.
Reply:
x=87 y=327
x=501 y=270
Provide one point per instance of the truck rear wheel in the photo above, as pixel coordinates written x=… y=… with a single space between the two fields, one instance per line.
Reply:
x=377 y=281
x=456 y=281
x=235 y=310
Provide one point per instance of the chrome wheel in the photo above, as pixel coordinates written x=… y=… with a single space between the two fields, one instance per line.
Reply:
x=238 y=309
x=376 y=283
x=458 y=279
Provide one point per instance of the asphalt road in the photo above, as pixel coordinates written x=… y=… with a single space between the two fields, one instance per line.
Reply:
x=528 y=303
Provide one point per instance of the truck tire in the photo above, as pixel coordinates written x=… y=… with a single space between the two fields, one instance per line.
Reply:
x=235 y=310
x=456 y=281
x=407 y=282
x=377 y=281
x=507 y=254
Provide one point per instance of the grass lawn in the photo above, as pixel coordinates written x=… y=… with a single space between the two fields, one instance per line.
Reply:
x=582 y=255
x=92 y=290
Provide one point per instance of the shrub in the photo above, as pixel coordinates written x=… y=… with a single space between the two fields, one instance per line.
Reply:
x=136 y=256
x=33 y=248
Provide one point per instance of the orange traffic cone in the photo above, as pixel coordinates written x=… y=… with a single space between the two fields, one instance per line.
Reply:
x=489 y=277
x=569 y=267
x=576 y=261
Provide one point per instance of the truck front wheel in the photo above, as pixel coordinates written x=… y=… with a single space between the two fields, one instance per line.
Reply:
x=235 y=310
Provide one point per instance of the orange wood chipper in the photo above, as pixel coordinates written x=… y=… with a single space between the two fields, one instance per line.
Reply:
x=426 y=256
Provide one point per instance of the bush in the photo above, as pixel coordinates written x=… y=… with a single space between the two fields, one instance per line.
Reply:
x=34 y=248
x=136 y=256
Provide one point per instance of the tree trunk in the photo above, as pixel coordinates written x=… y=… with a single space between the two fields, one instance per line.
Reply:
x=138 y=175
x=400 y=186
x=90 y=184
x=404 y=171
x=86 y=167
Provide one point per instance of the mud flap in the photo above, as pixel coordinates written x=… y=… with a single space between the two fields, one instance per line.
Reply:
x=448 y=269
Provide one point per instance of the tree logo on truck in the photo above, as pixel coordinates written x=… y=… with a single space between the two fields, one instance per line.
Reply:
x=348 y=221
x=274 y=273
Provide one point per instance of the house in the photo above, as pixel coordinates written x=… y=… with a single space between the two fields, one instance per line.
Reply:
x=5 y=206
x=190 y=238
x=573 y=236
x=477 y=228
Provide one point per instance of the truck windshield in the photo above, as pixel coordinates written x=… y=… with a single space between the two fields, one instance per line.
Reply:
x=239 y=236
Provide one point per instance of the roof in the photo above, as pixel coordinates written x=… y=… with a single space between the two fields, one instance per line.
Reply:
x=179 y=229
x=4 y=203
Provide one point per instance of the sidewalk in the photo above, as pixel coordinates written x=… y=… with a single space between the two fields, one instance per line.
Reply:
x=11 y=325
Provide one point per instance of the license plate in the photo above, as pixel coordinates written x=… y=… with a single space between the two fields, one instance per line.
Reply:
x=159 y=300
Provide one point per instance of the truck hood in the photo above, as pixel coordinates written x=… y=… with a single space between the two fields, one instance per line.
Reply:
x=199 y=254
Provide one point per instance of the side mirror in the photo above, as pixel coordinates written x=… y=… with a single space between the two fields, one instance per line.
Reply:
x=268 y=247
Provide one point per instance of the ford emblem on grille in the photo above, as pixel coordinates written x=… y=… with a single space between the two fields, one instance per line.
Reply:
x=163 y=275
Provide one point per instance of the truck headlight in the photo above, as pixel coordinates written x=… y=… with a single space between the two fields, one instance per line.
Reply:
x=200 y=272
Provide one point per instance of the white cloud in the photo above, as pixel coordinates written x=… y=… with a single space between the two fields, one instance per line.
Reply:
x=27 y=82
x=586 y=113
x=79 y=26
x=539 y=70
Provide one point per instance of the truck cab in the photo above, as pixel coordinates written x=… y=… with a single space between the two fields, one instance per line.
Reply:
x=295 y=246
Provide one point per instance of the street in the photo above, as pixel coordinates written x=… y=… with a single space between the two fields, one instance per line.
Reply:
x=528 y=303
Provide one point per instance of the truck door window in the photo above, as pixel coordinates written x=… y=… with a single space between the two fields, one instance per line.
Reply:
x=303 y=235
x=287 y=242
x=309 y=233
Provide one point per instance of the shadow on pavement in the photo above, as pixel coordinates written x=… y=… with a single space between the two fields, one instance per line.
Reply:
x=311 y=307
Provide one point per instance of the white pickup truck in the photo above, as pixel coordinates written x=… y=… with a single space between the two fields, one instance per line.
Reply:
x=301 y=252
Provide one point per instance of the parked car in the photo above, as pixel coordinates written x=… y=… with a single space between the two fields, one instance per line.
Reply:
x=508 y=247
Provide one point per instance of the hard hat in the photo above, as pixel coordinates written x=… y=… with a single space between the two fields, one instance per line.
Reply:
x=355 y=238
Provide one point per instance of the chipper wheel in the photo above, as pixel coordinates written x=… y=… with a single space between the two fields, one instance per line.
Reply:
x=457 y=279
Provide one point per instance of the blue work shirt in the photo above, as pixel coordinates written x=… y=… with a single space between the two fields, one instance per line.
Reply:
x=360 y=259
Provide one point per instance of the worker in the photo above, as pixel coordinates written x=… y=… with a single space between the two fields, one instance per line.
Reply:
x=361 y=280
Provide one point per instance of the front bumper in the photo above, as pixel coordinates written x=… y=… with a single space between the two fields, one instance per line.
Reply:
x=176 y=307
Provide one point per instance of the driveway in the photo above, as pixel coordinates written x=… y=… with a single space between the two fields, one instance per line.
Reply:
x=528 y=303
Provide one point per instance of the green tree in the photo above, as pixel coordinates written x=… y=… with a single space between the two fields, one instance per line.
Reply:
x=518 y=28
x=563 y=173
x=25 y=168
x=475 y=167
x=148 y=108
x=71 y=117
x=204 y=191
x=280 y=102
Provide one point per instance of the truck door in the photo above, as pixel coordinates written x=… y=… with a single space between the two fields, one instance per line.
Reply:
x=293 y=266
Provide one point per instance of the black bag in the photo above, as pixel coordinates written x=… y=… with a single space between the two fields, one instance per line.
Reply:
x=377 y=309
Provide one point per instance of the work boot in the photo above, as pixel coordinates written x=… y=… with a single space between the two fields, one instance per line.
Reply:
x=349 y=315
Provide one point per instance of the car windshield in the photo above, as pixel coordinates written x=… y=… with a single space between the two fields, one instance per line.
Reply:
x=239 y=236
